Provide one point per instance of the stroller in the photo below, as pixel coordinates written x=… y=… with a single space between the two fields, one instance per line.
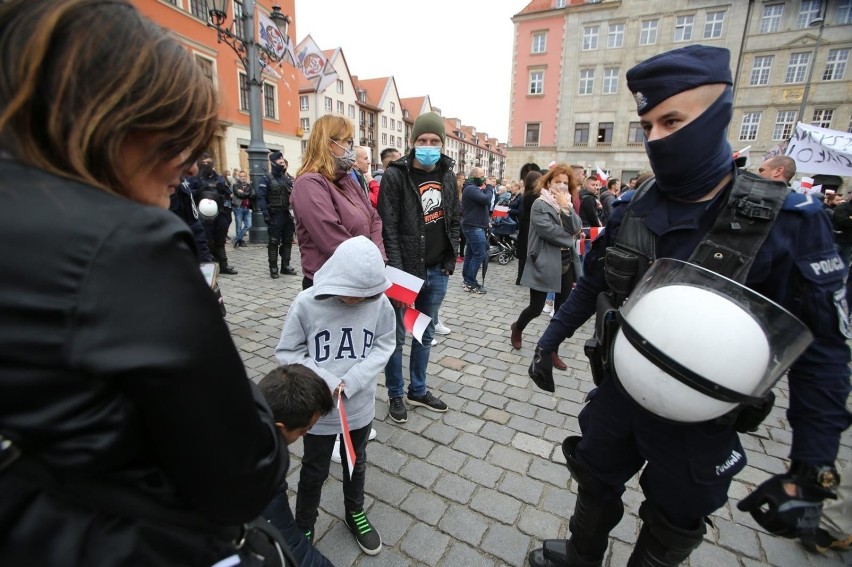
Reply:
x=502 y=240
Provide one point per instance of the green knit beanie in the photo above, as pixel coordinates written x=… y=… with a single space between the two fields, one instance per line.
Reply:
x=431 y=123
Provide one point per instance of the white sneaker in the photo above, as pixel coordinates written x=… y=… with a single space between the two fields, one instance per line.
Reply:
x=442 y=329
x=548 y=308
x=372 y=434
x=335 y=453
x=434 y=341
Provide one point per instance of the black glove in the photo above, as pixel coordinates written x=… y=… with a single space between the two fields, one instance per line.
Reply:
x=784 y=515
x=541 y=370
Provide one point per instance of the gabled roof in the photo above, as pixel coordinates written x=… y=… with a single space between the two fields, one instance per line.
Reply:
x=414 y=105
x=375 y=89
x=359 y=86
x=545 y=5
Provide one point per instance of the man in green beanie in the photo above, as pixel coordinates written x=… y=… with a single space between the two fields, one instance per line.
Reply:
x=418 y=203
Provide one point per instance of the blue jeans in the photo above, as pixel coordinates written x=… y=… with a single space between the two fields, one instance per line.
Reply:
x=477 y=248
x=428 y=302
x=242 y=218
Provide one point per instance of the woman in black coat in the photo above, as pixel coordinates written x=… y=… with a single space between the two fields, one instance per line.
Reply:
x=530 y=195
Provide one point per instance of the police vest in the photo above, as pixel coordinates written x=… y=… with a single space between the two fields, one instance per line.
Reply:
x=277 y=194
x=210 y=190
x=728 y=248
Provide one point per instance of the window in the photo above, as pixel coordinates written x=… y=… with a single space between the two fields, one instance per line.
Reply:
x=610 y=80
x=384 y=139
x=328 y=101
x=340 y=107
x=172 y=2
x=581 y=134
x=797 y=67
x=239 y=22
x=305 y=123
x=587 y=81
x=835 y=65
x=749 y=126
x=269 y=100
x=615 y=37
x=590 y=38
x=822 y=117
x=539 y=42
x=604 y=133
x=760 y=70
x=392 y=124
x=635 y=135
x=531 y=139
x=393 y=107
x=844 y=12
x=351 y=111
x=683 y=28
x=339 y=86
x=648 y=34
x=198 y=8
x=536 y=82
x=399 y=125
x=303 y=103
x=713 y=25
x=206 y=67
x=808 y=13
x=392 y=140
x=560 y=3
x=384 y=121
x=244 y=92
x=784 y=122
x=771 y=20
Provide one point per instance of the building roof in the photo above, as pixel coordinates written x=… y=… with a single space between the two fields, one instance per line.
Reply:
x=359 y=86
x=413 y=105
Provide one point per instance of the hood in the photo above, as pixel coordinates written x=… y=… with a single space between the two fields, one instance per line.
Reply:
x=356 y=269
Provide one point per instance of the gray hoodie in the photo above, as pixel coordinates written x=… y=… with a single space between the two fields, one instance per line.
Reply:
x=343 y=343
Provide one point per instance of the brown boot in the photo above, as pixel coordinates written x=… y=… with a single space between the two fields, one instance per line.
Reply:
x=557 y=362
x=516 y=336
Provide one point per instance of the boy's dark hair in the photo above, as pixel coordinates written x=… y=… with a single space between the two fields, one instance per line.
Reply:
x=611 y=182
x=295 y=394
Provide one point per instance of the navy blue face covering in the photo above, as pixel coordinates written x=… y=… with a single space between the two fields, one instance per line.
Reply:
x=693 y=160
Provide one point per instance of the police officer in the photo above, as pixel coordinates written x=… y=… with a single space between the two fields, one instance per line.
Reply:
x=684 y=102
x=210 y=185
x=273 y=198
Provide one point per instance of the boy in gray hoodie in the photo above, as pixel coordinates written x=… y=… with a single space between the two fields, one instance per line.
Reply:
x=344 y=329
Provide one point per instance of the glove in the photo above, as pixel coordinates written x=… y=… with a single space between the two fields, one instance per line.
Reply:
x=541 y=370
x=784 y=515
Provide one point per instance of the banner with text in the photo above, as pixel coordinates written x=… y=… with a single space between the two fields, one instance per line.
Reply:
x=820 y=150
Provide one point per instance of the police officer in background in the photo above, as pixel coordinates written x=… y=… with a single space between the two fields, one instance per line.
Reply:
x=273 y=198
x=684 y=101
x=210 y=185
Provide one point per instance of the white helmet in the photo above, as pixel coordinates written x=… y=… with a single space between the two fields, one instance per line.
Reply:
x=208 y=209
x=693 y=344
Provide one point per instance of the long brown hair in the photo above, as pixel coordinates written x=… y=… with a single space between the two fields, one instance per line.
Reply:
x=80 y=77
x=318 y=157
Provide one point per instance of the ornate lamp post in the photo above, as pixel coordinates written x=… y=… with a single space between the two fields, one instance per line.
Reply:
x=250 y=53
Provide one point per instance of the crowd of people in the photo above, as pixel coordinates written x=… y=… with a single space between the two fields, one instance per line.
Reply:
x=130 y=433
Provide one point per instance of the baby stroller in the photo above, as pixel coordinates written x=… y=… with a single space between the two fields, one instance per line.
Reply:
x=502 y=240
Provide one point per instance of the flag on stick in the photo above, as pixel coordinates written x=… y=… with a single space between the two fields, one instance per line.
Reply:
x=602 y=177
x=500 y=211
x=404 y=286
x=416 y=323
x=347 y=437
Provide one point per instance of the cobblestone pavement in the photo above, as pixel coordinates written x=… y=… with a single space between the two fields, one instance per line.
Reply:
x=484 y=483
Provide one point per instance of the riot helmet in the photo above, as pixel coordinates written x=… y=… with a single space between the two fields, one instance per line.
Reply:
x=693 y=345
x=207 y=209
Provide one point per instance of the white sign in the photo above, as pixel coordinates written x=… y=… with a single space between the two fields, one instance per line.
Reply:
x=820 y=150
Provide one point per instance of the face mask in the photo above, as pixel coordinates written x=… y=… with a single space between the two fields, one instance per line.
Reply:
x=478 y=181
x=427 y=155
x=346 y=161
x=690 y=162
x=559 y=188
x=278 y=169
x=205 y=168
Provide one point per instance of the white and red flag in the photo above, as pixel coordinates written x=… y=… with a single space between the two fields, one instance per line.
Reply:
x=416 y=323
x=404 y=286
x=344 y=433
x=500 y=211
x=602 y=177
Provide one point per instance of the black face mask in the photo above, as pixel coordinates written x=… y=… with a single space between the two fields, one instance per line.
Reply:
x=278 y=169
x=693 y=160
x=205 y=169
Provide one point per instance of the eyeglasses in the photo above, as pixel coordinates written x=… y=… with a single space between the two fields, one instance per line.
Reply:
x=350 y=142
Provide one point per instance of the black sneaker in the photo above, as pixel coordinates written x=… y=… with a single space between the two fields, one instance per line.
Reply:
x=366 y=535
x=398 y=413
x=428 y=401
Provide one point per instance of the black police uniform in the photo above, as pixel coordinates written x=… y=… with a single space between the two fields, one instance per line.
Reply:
x=688 y=467
x=273 y=198
x=211 y=185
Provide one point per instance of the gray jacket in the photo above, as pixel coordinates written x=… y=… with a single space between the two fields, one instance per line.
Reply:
x=547 y=237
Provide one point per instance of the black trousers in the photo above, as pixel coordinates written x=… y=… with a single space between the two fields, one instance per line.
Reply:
x=537 y=299
x=315 y=466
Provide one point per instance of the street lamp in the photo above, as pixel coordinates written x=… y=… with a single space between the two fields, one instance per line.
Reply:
x=250 y=53
x=818 y=21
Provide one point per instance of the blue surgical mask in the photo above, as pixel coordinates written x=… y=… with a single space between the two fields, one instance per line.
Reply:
x=427 y=155
x=691 y=161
